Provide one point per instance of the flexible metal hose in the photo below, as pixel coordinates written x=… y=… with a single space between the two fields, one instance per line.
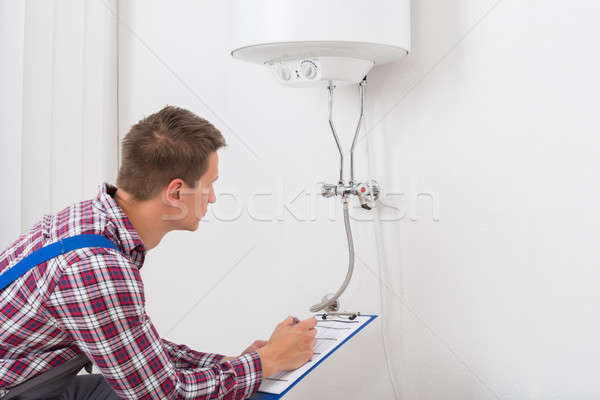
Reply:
x=326 y=303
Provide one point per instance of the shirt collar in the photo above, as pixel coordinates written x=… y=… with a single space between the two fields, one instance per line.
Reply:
x=126 y=238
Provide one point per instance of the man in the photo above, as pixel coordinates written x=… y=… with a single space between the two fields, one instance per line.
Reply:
x=90 y=301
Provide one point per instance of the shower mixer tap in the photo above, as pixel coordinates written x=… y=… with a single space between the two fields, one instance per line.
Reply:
x=367 y=193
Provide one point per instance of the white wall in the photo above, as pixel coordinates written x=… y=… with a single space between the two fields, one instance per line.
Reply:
x=496 y=111
x=493 y=117
x=69 y=143
x=11 y=100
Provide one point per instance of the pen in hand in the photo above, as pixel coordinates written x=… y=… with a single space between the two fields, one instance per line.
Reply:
x=289 y=347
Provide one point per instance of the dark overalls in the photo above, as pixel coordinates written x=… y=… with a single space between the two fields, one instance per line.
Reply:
x=60 y=382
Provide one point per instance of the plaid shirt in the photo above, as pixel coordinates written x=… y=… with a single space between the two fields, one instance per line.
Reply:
x=91 y=301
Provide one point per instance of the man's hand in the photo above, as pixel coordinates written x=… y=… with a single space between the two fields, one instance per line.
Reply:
x=290 y=346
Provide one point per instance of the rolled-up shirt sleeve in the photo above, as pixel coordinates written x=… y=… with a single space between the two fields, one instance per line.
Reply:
x=99 y=303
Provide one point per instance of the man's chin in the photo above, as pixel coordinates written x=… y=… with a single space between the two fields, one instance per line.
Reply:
x=194 y=225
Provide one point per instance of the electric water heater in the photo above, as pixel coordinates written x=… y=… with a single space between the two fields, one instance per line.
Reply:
x=320 y=42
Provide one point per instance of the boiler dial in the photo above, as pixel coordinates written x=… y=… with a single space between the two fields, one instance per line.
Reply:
x=309 y=69
x=284 y=73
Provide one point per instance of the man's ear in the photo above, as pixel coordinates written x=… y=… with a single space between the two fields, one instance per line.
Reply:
x=174 y=191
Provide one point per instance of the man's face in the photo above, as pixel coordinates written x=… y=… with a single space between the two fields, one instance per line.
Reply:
x=197 y=199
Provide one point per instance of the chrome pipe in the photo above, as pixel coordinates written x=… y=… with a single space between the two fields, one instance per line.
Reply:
x=361 y=87
x=335 y=136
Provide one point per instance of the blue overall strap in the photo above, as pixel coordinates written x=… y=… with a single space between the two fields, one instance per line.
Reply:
x=52 y=250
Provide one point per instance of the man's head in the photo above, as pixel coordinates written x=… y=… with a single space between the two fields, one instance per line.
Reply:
x=170 y=158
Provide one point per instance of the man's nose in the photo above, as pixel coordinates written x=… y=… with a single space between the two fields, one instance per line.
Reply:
x=212 y=198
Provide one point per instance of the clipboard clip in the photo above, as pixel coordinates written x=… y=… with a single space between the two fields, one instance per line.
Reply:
x=333 y=310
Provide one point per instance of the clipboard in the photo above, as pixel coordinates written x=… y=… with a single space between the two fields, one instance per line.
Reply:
x=272 y=396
